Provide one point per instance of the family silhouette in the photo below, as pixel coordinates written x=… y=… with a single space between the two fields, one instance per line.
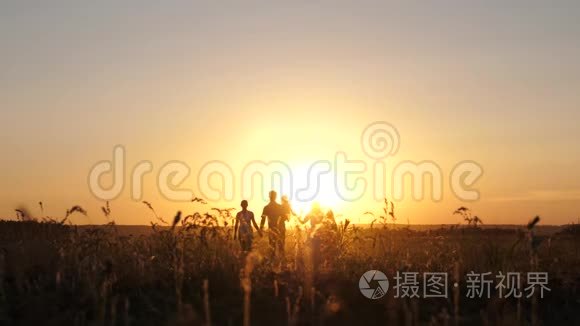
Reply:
x=276 y=215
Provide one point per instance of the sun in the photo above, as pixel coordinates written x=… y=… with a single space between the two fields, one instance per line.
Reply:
x=326 y=195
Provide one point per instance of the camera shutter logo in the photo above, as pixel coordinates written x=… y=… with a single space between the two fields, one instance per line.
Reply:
x=373 y=284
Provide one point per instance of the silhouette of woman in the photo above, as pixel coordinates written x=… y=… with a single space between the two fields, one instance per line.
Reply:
x=243 y=227
x=315 y=216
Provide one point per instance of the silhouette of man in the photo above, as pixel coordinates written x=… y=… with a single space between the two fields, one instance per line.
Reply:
x=287 y=212
x=274 y=212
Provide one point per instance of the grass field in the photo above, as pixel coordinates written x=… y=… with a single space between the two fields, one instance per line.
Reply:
x=192 y=272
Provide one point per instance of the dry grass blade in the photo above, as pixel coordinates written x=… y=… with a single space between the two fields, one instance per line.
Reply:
x=533 y=222
x=148 y=204
x=176 y=220
x=198 y=200
x=106 y=209
x=75 y=209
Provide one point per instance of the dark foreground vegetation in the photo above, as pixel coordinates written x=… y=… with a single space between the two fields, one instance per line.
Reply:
x=193 y=273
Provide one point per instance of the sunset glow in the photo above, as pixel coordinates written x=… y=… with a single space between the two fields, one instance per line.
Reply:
x=289 y=162
x=258 y=92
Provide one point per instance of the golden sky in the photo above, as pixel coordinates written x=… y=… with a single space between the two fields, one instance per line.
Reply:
x=493 y=83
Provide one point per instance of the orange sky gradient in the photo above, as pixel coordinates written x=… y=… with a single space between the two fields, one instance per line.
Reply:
x=295 y=83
